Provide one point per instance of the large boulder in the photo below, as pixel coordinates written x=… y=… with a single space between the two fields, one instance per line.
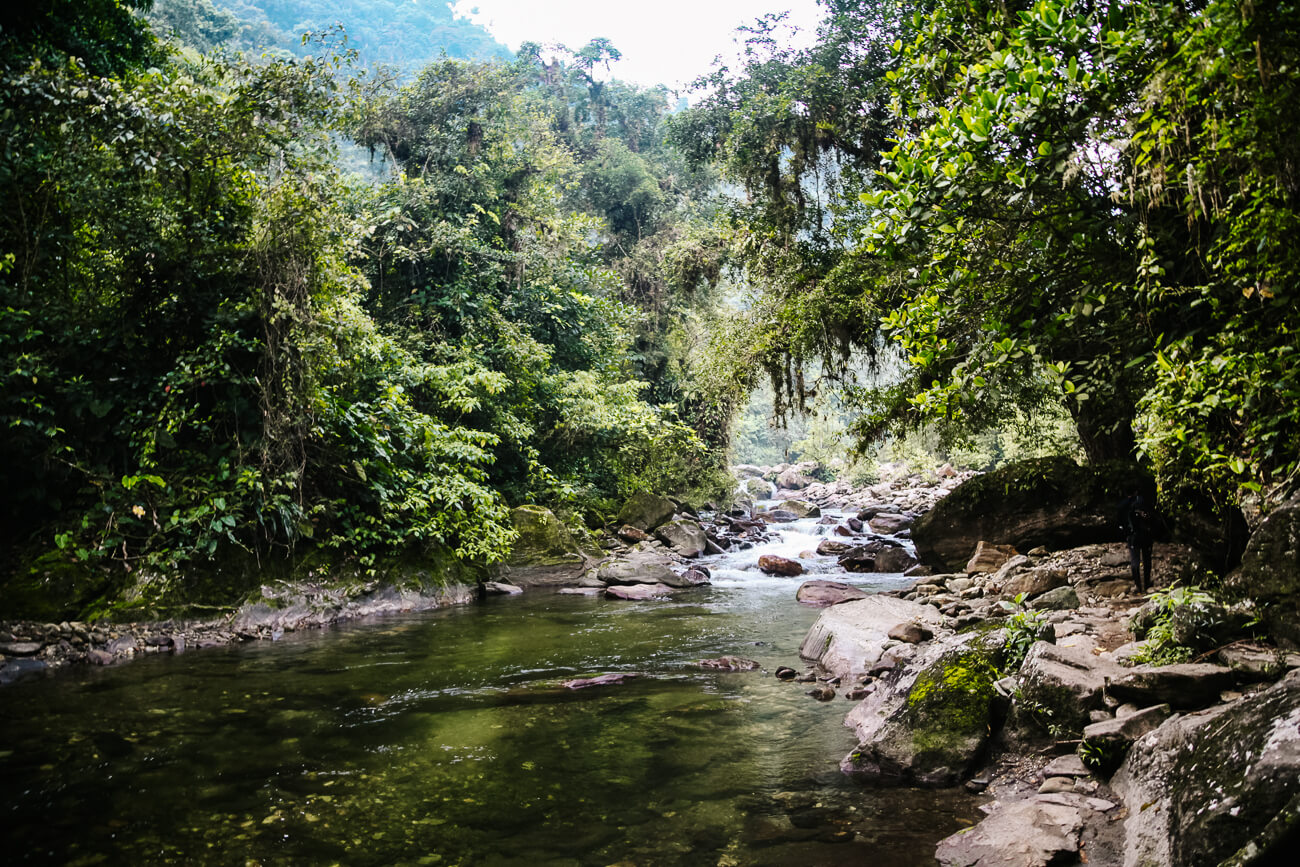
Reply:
x=544 y=553
x=1035 y=832
x=641 y=567
x=1187 y=686
x=1270 y=572
x=939 y=730
x=1051 y=502
x=646 y=511
x=793 y=480
x=1217 y=787
x=684 y=537
x=801 y=508
x=851 y=637
x=1060 y=686
x=758 y=489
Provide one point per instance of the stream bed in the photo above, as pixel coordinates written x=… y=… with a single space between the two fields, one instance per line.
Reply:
x=446 y=738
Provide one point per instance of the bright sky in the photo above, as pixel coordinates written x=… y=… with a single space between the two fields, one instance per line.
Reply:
x=662 y=41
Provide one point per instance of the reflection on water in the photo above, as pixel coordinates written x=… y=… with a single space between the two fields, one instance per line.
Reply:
x=445 y=738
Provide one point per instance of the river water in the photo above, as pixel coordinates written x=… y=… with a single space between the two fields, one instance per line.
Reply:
x=445 y=738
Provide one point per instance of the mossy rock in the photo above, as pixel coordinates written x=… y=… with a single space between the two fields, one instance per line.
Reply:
x=53 y=588
x=940 y=732
x=1052 y=502
x=545 y=552
x=645 y=511
x=1270 y=573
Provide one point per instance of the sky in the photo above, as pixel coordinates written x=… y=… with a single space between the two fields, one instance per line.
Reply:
x=662 y=41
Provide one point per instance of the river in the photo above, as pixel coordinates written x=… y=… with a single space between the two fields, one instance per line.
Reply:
x=444 y=738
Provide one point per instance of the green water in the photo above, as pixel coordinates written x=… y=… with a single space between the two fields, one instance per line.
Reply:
x=444 y=738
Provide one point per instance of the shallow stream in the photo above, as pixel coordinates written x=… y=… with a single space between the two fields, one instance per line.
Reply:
x=445 y=738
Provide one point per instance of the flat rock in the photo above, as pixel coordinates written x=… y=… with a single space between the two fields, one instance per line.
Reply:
x=21 y=648
x=1187 y=686
x=637 y=592
x=850 y=638
x=1066 y=766
x=1066 y=683
x=822 y=592
x=639 y=567
x=887 y=524
x=730 y=663
x=501 y=588
x=1035 y=832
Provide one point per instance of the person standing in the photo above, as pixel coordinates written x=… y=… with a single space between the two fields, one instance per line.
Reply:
x=1138 y=519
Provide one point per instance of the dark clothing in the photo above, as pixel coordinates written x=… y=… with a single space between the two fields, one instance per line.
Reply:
x=1138 y=519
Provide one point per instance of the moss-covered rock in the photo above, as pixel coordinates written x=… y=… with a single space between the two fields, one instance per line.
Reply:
x=1052 y=502
x=941 y=729
x=1270 y=573
x=53 y=588
x=645 y=511
x=546 y=552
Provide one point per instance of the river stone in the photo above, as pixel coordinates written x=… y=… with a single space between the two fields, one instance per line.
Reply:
x=892 y=559
x=1035 y=582
x=777 y=516
x=801 y=508
x=639 y=567
x=911 y=633
x=1216 y=782
x=1062 y=685
x=500 y=588
x=632 y=535
x=20 y=648
x=1186 y=686
x=989 y=557
x=821 y=592
x=692 y=577
x=1037 y=831
x=1060 y=599
x=833 y=547
x=849 y=638
x=730 y=663
x=774 y=565
x=683 y=537
x=637 y=592
x=646 y=511
x=935 y=734
x=887 y=524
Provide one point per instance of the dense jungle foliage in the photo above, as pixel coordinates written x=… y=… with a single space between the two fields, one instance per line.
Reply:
x=215 y=338
x=1013 y=205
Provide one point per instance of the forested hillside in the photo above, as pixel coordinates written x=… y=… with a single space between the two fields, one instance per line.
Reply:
x=407 y=34
x=216 y=341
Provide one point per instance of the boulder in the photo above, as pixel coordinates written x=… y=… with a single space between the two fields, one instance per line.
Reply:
x=820 y=592
x=1105 y=743
x=1052 y=502
x=646 y=511
x=545 y=552
x=1035 y=832
x=989 y=557
x=1060 y=686
x=747 y=471
x=758 y=489
x=939 y=730
x=683 y=537
x=631 y=534
x=894 y=559
x=1060 y=599
x=641 y=567
x=500 y=588
x=637 y=592
x=851 y=637
x=773 y=565
x=1270 y=573
x=1219 y=786
x=833 y=547
x=801 y=508
x=777 y=516
x=692 y=577
x=793 y=480
x=911 y=633
x=887 y=523
x=1188 y=686
x=1034 y=582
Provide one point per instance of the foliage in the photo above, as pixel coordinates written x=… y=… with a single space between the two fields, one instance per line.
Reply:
x=1091 y=205
x=1023 y=628
x=1162 y=646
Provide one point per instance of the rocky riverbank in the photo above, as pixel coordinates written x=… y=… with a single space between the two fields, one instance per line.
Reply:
x=1017 y=677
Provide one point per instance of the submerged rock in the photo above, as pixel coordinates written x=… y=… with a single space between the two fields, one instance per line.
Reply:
x=730 y=663
x=600 y=680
